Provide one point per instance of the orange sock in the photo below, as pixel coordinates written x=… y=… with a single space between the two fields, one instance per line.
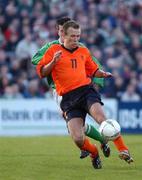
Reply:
x=88 y=146
x=119 y=143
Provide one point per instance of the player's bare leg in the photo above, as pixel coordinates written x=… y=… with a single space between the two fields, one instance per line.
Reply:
x=97 y=113
x=75 y=126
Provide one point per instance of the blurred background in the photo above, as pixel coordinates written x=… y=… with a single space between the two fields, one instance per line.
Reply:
x=112 y=30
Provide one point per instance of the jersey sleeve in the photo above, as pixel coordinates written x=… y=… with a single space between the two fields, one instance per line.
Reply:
x=38 y=56
x=47 y=57
x=97 y=62
x=90 y=65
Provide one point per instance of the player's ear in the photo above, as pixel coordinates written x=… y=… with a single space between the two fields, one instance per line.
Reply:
x=57 y=27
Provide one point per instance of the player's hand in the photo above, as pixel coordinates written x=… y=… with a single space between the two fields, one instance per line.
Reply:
x=57 y=56
x=107 y=75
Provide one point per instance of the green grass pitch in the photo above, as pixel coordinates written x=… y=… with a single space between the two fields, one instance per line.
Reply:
x=57 y=158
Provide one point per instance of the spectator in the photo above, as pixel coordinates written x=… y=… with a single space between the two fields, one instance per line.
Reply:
x=12 y=92
x=130 y=94
x=26 y=48
x=33 y=90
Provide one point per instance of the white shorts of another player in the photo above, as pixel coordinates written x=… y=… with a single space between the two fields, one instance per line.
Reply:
x=57 y=98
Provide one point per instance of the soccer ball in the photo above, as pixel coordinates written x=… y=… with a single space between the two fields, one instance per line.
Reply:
x=110 y=129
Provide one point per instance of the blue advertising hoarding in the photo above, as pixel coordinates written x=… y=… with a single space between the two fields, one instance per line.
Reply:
x=130 y=116
x=23 y=117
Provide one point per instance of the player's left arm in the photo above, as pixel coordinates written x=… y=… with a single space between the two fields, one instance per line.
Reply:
x=96 y=80
x=93 y=57
x=92 y=68
x=102 y=74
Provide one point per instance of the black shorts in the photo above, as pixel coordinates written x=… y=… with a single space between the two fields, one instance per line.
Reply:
x=76 y=103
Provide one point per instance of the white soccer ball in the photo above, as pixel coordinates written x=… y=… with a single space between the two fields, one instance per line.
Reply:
x=110 y=129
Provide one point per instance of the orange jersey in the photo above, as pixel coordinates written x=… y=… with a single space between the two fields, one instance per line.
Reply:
x=72 y=69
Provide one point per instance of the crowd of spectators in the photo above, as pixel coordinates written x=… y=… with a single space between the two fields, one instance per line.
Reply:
x=112 y=30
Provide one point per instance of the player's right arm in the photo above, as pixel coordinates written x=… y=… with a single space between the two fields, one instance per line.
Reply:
x=46 y=70
x=48 y=61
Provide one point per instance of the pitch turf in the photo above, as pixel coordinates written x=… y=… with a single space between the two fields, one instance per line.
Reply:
x=57 y=158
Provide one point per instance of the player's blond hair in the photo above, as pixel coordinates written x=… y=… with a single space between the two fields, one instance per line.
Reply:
x=69 y=24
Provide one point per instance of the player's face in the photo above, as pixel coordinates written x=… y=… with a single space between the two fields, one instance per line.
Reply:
x=60 y=31
x=71 y=38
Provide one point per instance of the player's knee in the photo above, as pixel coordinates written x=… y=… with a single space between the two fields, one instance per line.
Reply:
x=100 y=118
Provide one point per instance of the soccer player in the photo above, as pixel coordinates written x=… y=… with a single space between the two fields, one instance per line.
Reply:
x=90 y=130
x=69 y=63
